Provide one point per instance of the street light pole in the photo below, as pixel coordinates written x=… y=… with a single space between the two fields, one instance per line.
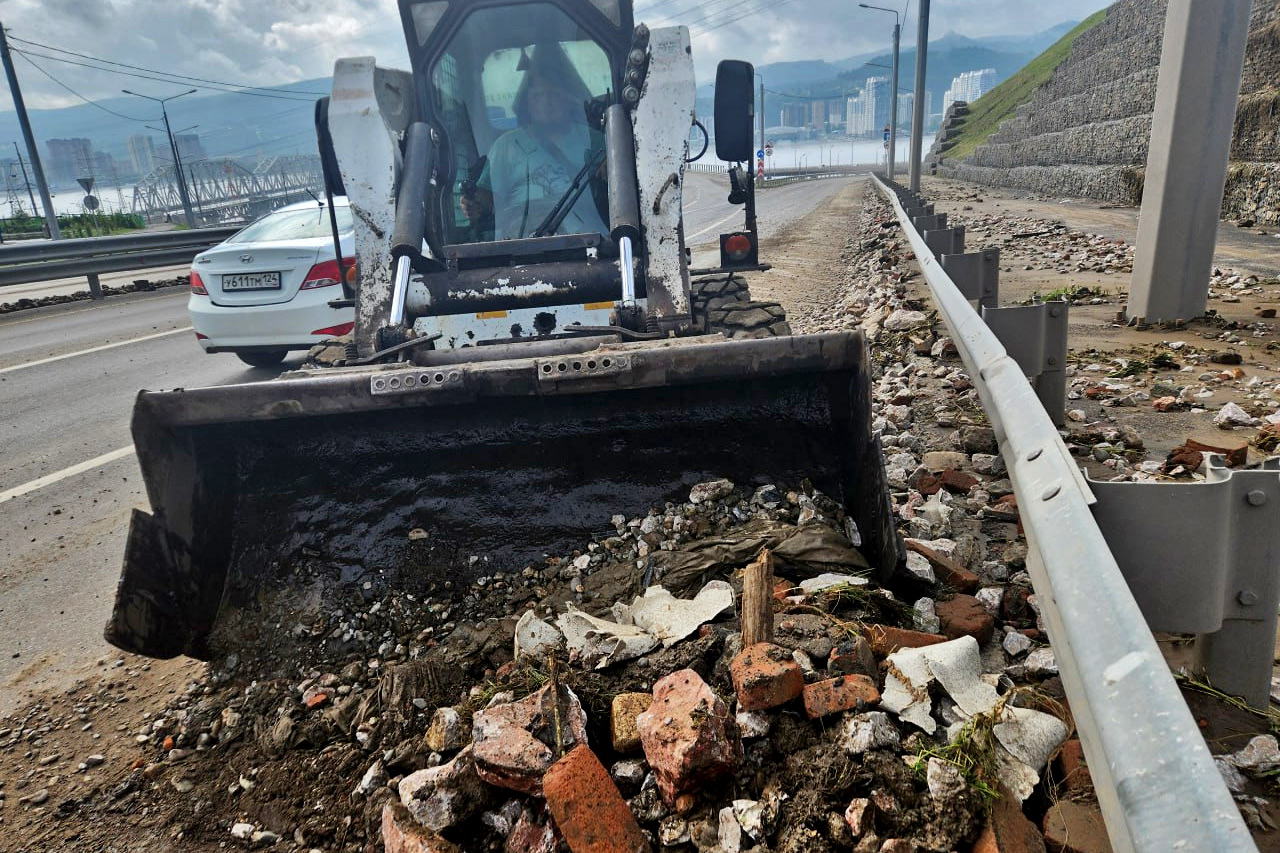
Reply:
x=917 y=111
x=893 y=99
x=173 y=146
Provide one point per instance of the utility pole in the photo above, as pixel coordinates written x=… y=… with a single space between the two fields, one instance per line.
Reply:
x=917 y=111
x=20 y=106
x=893 y=99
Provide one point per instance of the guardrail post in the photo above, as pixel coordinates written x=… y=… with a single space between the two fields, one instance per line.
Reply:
x=1217 y=578
x=919 y=210
x=95 y=286
x=929 y=222
x=944 y=241
x=976 y=275
x=1035 y=337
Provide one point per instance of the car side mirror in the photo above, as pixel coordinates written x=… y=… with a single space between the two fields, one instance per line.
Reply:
x=734 y=110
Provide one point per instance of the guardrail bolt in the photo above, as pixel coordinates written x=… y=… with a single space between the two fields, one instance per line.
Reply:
x=1257 y=497
x=1054 y=311
x=1051 y=492
x=1247 y=597
x=1033 y=455
x=1052 y=360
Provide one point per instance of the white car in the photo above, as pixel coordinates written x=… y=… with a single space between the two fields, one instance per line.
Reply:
x=266 y=290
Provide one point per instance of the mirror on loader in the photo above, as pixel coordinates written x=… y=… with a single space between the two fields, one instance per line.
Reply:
x=735 y=120
x=734 y=110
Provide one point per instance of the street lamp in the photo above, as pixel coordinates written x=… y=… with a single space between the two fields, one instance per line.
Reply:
x=173 y=146
x=893 y=88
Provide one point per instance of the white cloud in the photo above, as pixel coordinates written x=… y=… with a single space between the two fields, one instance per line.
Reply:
x=259 y=43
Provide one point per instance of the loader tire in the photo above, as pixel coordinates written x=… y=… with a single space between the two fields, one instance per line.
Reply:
x=723 y=304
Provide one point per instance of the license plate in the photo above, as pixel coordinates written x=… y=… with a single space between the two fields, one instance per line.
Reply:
x=252 y=281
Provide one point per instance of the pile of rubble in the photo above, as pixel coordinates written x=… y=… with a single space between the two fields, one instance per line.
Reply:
x=756 y=688
x=137 y=286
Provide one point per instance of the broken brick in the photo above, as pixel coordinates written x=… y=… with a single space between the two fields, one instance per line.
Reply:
x=948 y=570
x=853 y=657
x=586 y=805
x=843 y=693
x=765 y=676
x=1072 y=769
x=957 y=481
x=964 y=615
x=1072 y=827
x=885 y=639
x=622 y=720
x=514 y=743
x=688 y=735
x=402 y=834
x=1008 y=830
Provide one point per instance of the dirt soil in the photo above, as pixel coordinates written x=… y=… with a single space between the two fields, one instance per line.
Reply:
x=92 y=769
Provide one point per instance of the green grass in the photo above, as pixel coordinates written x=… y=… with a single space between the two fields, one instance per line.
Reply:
x=986 y=113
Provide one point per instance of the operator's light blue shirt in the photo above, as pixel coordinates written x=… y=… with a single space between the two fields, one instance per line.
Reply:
x=527 y=177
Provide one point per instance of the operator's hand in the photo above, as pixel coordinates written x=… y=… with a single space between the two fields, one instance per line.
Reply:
x=476 y=205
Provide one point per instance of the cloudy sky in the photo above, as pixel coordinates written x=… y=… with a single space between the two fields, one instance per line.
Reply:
x=270 y=42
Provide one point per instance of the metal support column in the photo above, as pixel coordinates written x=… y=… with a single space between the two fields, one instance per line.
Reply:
x=1200 y=67
x=20 y=107
x=95 y=285
x=944 y=241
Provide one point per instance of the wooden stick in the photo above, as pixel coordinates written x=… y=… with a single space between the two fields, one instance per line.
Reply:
x=757 y=601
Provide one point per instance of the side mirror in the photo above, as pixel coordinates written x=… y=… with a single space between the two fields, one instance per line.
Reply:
x=735 y=110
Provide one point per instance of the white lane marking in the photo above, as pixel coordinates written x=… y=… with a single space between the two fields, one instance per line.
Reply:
x=691 y=237
x=50 y=479
x=95 y=349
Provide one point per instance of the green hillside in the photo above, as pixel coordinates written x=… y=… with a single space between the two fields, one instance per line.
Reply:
x=986 y=113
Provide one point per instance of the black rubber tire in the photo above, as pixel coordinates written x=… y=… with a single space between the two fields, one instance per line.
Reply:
x=268 y=358
x=723 y=304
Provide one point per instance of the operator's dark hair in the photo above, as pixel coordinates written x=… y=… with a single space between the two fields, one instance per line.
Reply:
x=548 y=61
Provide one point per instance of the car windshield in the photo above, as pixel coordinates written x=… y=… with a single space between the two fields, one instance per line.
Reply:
x=294 y=225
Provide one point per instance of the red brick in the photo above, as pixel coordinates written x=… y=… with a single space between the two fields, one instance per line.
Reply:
x=688 y=735
x=782 y=588
x=529 y=835
x=886 y=639
x=765 y=676
x=1071 y=827
x=845 y=693
x=964 y=615
x=1072 y=769
x=948 y=570
x=589 y=811
x=853 y=657
x=957 y=481
x=1007 y=829
x=402 y=834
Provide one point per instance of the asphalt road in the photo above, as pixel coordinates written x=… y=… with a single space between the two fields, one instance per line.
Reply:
x=69 y=480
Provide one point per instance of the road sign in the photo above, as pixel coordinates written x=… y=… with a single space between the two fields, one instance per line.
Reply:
x=90 y=202
x=86 y=184
x=886 y=133
x=768 y=151
x=760 y=153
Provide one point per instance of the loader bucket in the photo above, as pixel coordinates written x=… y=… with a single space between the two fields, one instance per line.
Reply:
x=315 y=480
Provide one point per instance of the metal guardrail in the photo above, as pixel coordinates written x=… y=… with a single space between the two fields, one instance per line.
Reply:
x=92 y=256
x=1156 y=781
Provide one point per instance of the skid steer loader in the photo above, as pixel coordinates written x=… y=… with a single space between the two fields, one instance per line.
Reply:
x=528 y=358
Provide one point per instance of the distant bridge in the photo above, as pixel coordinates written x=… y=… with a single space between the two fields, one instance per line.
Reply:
x=223 y=189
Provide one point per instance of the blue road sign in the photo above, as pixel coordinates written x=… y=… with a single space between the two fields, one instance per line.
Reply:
x=760 y=153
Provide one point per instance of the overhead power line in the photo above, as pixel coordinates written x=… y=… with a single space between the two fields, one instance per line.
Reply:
x=232 y=90
x=181 y=77
x=37 y=67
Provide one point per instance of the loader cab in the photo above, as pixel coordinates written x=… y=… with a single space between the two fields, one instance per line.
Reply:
x=517 y=92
